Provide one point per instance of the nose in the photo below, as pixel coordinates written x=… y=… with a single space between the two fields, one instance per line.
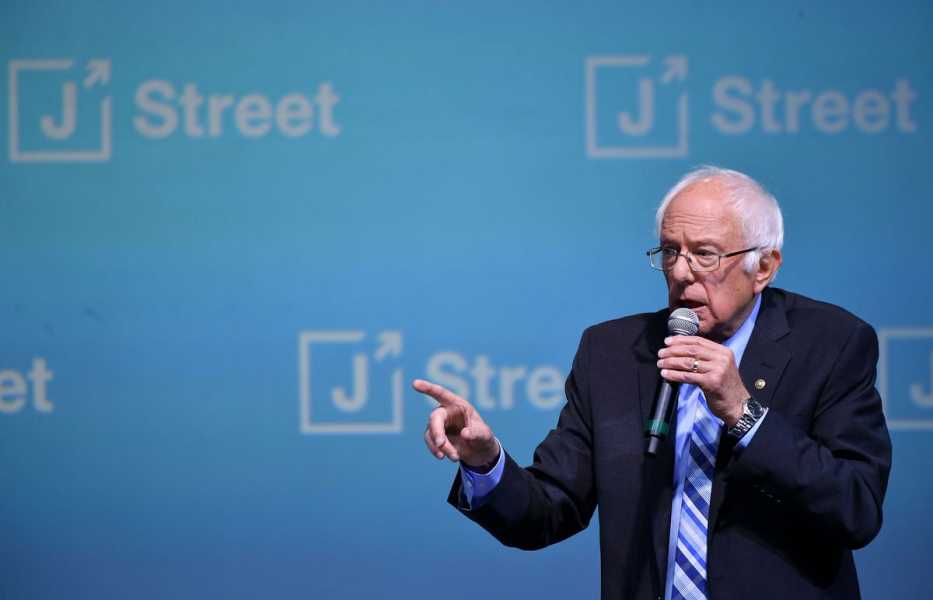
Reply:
x=681 y=272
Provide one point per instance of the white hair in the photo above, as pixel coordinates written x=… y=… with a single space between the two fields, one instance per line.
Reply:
x=757 y=210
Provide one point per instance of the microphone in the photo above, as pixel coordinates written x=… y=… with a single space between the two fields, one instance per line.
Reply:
x=682 y=321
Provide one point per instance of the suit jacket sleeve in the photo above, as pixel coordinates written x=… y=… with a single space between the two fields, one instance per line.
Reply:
x=831 y=467
x=555 y=497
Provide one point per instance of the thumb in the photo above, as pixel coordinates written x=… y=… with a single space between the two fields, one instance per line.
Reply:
x=474 y=432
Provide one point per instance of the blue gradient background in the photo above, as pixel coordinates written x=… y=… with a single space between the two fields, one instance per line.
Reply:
x=167 y=287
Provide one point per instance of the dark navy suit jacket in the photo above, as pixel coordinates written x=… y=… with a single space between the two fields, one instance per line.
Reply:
x=786 y=511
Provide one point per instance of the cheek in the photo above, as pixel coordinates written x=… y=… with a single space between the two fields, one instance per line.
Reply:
x=716 y=304
x=710 y=297
x=724 y=299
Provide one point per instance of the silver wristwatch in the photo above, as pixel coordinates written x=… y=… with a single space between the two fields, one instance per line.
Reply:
x=750 y=415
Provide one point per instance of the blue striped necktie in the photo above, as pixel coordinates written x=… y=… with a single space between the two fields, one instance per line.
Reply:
x=690 y=558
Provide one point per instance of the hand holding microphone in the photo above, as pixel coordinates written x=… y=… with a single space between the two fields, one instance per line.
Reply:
x=698 y=361
x=682 y=321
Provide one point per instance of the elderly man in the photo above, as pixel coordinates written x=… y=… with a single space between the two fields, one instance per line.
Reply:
x=780 y=457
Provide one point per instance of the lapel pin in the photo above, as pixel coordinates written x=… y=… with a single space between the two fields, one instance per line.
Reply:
x=760 y=384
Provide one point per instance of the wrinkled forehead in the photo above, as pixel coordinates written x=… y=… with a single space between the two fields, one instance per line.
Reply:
x=702 y=212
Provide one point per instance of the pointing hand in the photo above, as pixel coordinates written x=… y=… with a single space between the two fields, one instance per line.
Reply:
x=456 y=430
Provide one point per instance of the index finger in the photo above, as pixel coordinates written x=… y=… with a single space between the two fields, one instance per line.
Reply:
x=689 y=340
x=443 y=396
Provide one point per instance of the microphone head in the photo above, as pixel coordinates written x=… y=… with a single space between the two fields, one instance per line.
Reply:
x=683 y=321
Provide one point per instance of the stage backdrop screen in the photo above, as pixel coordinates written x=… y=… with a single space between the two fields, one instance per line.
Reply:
x=232 y=233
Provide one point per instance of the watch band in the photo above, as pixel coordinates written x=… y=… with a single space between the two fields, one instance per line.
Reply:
x=751 y=412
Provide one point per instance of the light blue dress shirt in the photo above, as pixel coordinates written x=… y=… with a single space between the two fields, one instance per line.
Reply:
x=689 y=401
x=476 y=486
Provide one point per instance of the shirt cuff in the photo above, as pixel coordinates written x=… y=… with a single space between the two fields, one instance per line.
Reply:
x=477 y=486
x=746 y=439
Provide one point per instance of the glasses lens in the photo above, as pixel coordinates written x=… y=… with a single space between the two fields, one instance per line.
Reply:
x=662 y=259
x=669 y=256
x=705 y=262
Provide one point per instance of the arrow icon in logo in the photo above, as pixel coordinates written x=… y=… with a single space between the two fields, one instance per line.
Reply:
x=98 y=71
x=676 y=68
x=390 y=343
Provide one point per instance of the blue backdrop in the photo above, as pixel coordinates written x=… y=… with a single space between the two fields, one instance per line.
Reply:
x=231 y=233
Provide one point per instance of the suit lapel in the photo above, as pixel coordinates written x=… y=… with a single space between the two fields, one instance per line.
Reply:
x=659 y=470
x=763 y=364
x=645 y=350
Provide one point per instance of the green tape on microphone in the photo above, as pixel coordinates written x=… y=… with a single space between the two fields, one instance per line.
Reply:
x=656 y=427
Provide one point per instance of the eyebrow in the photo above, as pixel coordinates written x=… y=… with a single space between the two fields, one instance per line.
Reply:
x=700 y=242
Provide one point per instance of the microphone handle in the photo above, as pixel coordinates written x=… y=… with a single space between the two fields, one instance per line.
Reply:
x=656 y=428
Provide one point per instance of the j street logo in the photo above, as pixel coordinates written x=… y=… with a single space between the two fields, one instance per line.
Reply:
x=637 y=106
x=61 y=110
x=21 y=389
x=352 y=383
x=341 y=410
x=41 y=133
x=652 y=123
x=905 y=376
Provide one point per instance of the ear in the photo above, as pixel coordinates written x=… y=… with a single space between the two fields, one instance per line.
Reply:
x=768 y=266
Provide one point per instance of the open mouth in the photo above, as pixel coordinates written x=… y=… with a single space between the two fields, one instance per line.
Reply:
x=691 y=304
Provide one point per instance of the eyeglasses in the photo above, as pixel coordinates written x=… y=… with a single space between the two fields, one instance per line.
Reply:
x=663 y=258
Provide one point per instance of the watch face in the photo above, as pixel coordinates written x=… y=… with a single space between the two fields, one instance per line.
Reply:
x=755 y=409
